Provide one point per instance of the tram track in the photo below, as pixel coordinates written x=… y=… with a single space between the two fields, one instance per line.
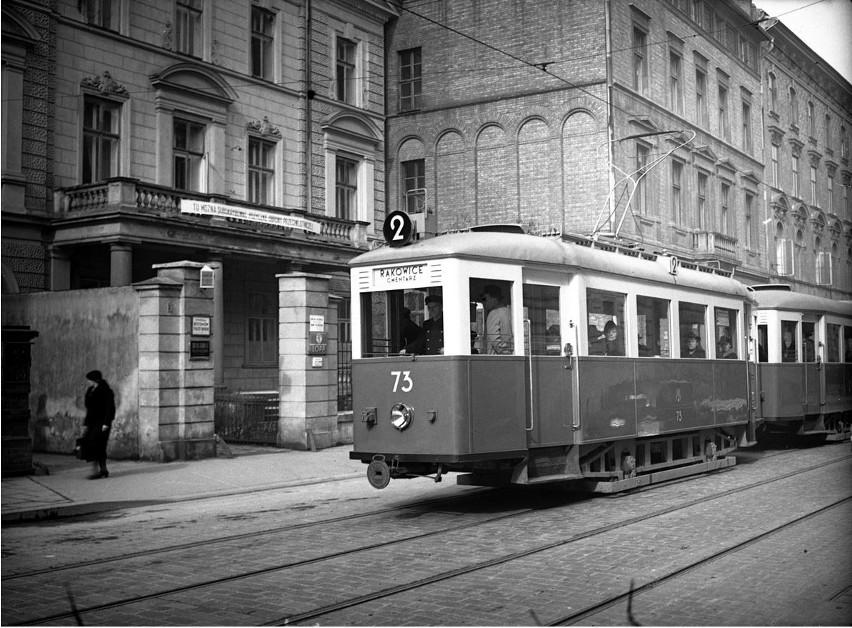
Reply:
x=632 y=593
x=390 y=591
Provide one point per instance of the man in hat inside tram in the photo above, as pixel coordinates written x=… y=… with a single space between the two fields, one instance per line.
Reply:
x=692 y=346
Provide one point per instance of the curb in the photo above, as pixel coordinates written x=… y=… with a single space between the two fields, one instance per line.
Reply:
x=77 y=509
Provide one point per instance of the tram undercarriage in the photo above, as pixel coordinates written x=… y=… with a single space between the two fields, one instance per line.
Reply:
x=608 y=467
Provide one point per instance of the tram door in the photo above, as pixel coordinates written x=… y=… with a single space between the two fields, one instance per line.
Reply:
x=549 y=386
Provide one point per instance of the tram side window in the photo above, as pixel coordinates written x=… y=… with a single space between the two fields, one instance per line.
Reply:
x=788 y=341
x=653 y=326
x=762 y=343
x=832 y=344
x=847 y=343
x=809 y=343
x=541 y=309
x=398 y=321
x=727 y=337
x=491 y=324
x=606 y=322
x=693 y=331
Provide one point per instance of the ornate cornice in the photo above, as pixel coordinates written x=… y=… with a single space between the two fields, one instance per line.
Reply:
x=264 y=128
x=104 y=85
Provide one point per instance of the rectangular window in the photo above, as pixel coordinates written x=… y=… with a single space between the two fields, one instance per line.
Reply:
x=188 y=155
x=675 y=82
x=724 y=200
x=829 y=182
x=727 y=338
x=346 y=188
x=794 y=162
x=693 y=330
x=814 y=186
x=414 y=185
x=605 y=323
x=541 y=316
x=701 y=96
x=345 y=71
x=811 y=119
x=262 y=29
x=747 y=137
x=100 y=140
x=749 y=220
x=789 y=332
x=261 y=172
x=410 y=79
x=775 y=174
x=724 y=128
x=677 y=190
x=823 y=268
x=640 y=60
x=261 y=329
x=832 y=343
x=701 y=202
x=187 y=31
x=103 y=13
x=653 y=326
x=640 y=197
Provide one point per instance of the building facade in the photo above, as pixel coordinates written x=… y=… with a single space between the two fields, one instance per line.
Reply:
x=808 y=121
x=243 y=135
x=639 y=121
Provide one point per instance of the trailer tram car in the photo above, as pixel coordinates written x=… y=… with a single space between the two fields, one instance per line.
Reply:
x=604 y=375
x=804 y=374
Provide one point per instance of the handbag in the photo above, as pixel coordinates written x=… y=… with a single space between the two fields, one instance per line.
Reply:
x=81 y=449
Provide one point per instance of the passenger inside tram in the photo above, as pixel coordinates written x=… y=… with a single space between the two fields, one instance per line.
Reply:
x=788 y=342
x=498 y=322
x=692 y=346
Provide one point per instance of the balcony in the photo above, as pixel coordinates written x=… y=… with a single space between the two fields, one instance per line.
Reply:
x=710 y=246
x=133 y=197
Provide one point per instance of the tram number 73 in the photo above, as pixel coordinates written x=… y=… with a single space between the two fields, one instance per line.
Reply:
x=405 y=377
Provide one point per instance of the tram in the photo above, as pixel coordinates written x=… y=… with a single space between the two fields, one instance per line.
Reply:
x=546 y=360
x=804 y=354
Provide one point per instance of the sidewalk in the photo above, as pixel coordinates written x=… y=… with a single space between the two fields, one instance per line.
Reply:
x=61 y=487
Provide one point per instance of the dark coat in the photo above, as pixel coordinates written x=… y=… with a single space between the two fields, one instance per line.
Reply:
x=432 y=340
x=100 y=411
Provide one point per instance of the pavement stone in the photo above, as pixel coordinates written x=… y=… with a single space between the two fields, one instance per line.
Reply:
x=61 y=488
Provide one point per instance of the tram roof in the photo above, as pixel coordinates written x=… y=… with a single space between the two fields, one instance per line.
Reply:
x=531 y=250
x=783 y=299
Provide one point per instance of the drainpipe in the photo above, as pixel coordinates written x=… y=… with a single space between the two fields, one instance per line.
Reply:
x=610 y=128
x=309 y=96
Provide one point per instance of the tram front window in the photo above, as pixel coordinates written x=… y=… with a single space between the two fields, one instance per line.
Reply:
x=402 y=321
x=788 y=341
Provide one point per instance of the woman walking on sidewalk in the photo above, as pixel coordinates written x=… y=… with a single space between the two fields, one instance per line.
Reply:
x=100 y=412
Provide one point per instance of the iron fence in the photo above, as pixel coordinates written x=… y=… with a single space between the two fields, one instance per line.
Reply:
x=250 y=417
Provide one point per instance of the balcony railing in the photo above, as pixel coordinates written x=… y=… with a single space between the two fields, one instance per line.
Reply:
x=131 y=196
x=708 y=242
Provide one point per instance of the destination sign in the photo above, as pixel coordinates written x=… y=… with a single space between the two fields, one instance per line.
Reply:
x=400 y=276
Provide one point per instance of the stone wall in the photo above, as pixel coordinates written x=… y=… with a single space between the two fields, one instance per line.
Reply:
x=80 y=331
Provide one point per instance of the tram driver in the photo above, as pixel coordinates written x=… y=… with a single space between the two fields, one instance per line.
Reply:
x=431 y=341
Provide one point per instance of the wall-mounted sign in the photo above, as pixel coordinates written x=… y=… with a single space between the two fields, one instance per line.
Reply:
x=200 y=325
x=200 y=208
x=316 y=363
x=199 y=349
x=317 y=342
x=317 y=322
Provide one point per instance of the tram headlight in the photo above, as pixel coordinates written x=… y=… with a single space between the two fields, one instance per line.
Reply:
x=401 y=416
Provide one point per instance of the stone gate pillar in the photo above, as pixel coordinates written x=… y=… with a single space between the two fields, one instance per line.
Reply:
x=307 y=371
x=175 y=365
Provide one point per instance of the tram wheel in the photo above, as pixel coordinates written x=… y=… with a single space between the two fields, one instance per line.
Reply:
x=378 y=474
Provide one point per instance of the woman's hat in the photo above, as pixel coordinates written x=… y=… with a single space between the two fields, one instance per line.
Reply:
x=94 y=376
x=434 y=298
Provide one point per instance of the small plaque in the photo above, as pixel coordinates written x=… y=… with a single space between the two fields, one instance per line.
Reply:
x=316 y=363
x=200 y=325
x=317 y=322
x=199 y=349
x=317 y=343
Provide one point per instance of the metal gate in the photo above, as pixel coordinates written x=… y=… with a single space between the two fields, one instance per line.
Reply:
x=247 y=417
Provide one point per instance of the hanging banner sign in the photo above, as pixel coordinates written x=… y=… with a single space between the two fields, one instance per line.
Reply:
x=201 y=208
